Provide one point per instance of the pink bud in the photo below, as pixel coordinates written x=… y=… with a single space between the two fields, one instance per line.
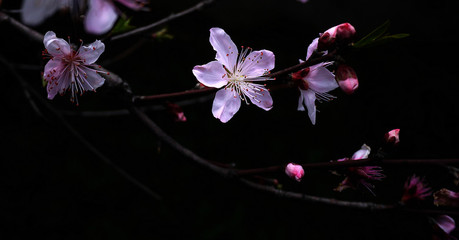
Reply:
x=392 y=136
x=347 y=78
x=176 y=112
x=342 y=34
x=345 y=33
x=294 y=171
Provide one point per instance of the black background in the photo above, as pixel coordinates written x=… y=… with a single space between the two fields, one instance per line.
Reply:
x=53 y=187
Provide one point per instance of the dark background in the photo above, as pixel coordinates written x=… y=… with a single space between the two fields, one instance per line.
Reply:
x=53 y=187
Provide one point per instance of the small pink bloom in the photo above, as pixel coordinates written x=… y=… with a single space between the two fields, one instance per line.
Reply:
x=70 y=69
x=445 y=197
x=294 y=171
x=102 y=14
x=415 y=188
x=393 y=136
x=359 y=176
x=338 y=35
x=443 y=225
x=314 y=84
x=236 y=72
x=347 y=78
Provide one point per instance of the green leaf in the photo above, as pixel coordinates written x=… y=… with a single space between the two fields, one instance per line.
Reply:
x=122 y=25
x=379 y=36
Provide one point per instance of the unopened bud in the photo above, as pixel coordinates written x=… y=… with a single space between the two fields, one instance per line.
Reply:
x=176 y=112
x=346 y=78
x=393 y=136
x=294 y=171
x=342 y=34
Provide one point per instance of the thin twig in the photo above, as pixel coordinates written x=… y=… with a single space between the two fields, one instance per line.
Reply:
x=32 y=34
x=78 y=136
x=171 y=17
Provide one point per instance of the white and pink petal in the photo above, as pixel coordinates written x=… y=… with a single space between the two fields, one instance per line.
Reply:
x=227 y=52
x=211 y=74
x=226 y=104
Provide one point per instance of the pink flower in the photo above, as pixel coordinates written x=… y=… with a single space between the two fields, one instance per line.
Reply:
x=314 y=83
x=359 y=176
x=443 y=226
x=338 y=35
x=102 y=14
x=294 y=171
x=393 y=136
x=70 y=69
x=445 y=197
x=237 y=72
x=34 y=12
x=415 y=189
x=347 y=78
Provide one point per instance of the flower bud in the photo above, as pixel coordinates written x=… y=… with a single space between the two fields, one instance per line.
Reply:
x=392 y=136
x=176 y=112
x=342 y=34
x=294 y=171
x=445 y=197
x=347 y=78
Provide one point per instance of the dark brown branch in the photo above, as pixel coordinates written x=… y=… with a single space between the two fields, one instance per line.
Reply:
x=171 y=17
x=32 y=34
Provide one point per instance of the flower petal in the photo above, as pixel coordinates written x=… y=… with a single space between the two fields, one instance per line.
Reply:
x=34 y=12
x=308 y=99
x=212 y=74
x=134 y=4
x=90 y=79
x=257 y=63
x=57 y=47
x=320 y=79
x=362 y=153
x=54 y=70
x=91 y=53
x=100 y=17
x=263 y=98
x=312 y=47
x=226 y=104
x=227 y=52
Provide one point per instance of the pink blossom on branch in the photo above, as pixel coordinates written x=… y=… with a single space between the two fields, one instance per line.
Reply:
x=314 y=84
x=360 y=176
x=102 y=14
x=70 y=69
x=294 y=171
x=236 y=72
x=338 y=35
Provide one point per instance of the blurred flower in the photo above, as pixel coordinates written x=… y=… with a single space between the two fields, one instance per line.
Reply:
x=443 y=225
x=34 y=12
x=237 y=72
x=357 y=176
x=70 y=69
x=102 y=14
x=176 y=112
x=445 y=197
x=314 y=83
x=294 y=171
x=415 y=189
x=341 y=34
x=347 y=78
x=393 y=136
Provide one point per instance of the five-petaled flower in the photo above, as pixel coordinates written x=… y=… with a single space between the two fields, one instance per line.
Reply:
x=357 y=176
x=102 y=14
x=415 y=188
x=70 y=69
x=314 y=84
x=236 y=72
